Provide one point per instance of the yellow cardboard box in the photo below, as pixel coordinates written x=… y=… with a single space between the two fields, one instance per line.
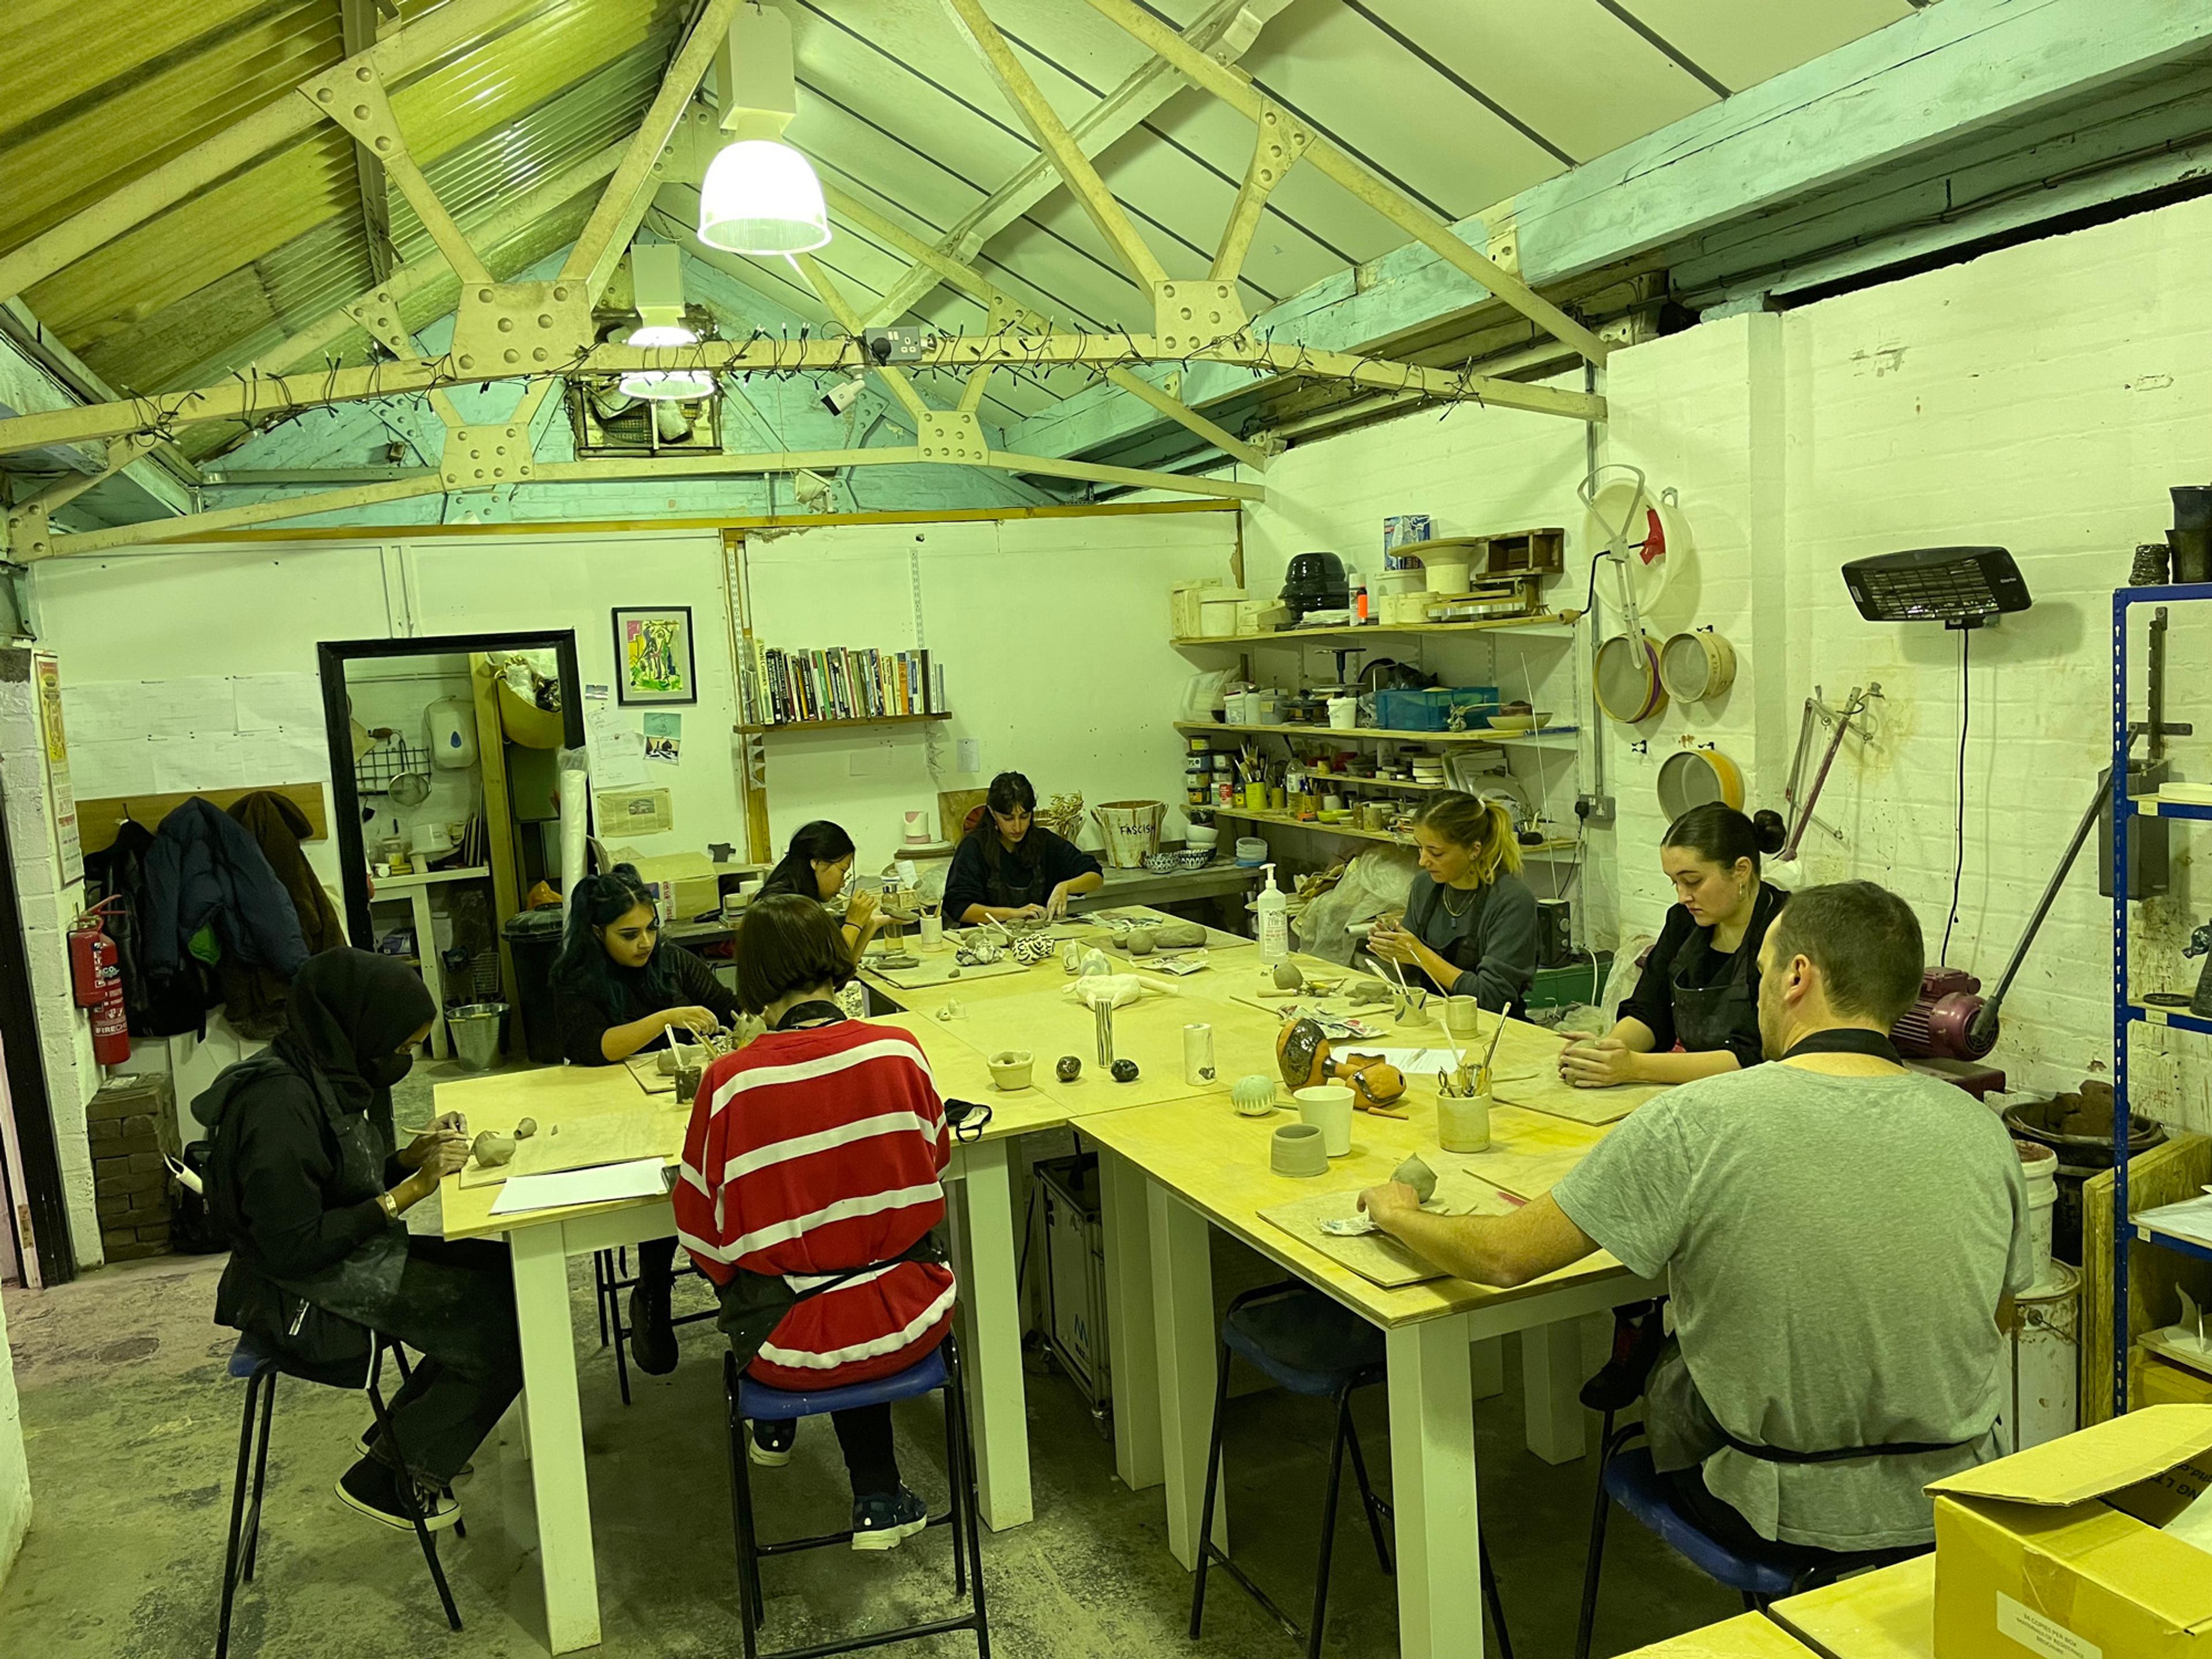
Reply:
x=2056 y=1550
x=692 y=881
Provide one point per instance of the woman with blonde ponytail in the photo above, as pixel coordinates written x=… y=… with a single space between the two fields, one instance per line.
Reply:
x=1470 y=920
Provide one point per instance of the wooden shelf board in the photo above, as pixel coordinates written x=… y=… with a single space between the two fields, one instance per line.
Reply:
x=1319 y=636
x=1354 y=831
x=833 y=726
x=1339 y=733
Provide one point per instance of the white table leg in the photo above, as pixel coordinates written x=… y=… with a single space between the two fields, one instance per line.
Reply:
x=555 y=1424
x=1551 y=1386
x=1133 y=1344
x=998 y=1409
x=434 y=971
x=1183 y=1309
x=1432 y=1488
x=1488 y=1365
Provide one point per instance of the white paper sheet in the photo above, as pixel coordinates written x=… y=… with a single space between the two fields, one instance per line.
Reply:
x=107 y=770
x=102 y=712
x=211 y=760
x=1415 y=1063
x=617 y=747
x=180 y=708
x=294 y=755
x=645 y=1177
x=2191 y=1218
x=263 y=702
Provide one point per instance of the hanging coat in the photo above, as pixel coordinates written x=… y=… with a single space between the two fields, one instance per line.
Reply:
x=254 y=997
x=164 y=1008
x=205 y=870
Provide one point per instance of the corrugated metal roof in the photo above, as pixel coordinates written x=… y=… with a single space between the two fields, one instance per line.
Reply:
x=1462 y=103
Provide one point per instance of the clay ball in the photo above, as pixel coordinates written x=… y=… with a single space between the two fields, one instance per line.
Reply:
x=1287 y=976
x=526 y=1128
x=1418 y=1175
x=1069 y=1069
x=493 y=1150
x=1139 y=941
x=1125 y=1071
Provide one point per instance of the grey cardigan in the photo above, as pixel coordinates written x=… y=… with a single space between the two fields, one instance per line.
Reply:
x=1497 y=932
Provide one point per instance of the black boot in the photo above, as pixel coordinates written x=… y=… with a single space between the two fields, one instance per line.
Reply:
x=652 y=1337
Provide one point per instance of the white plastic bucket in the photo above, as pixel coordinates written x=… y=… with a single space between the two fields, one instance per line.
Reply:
x=2044 y=1402
x=1343 y=713
x=2039 y=1164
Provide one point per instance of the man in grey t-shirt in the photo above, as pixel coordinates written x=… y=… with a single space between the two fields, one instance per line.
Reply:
x=1842 y=1239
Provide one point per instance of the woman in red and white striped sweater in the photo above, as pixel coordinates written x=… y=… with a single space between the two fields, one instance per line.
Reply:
x=815 y=1150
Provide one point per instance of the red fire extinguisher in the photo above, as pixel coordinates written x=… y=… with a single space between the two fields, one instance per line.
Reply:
x=97 y=982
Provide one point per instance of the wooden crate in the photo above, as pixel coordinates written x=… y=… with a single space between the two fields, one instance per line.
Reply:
x=1525 y=552
x=2164 y=1174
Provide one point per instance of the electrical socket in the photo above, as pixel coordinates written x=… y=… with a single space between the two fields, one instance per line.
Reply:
x=895 y=345
x=1594 y=809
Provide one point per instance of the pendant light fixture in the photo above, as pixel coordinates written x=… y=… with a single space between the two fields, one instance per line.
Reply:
x=656 y=273
x=760 y=195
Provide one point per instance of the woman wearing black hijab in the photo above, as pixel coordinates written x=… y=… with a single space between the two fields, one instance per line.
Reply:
x=306 y=1178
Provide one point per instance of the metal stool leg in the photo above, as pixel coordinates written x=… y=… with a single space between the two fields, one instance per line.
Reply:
x=1328 y=1524
x=968 y=1508
x=405 y=1485
x=1601 y=1504
x=751 y=1609
x=233 y=1552
x=1377 y=1511
x=1212 y=1482
x=952 y=1478
x=1496 y=1604
x=261 y=1476
x=600 y=1291
x=621 y=1333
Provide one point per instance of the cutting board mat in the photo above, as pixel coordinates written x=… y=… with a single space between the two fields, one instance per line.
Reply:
x=651 y=1129
x=1530 y=1152
x=1377 y=1256
x=938 y=969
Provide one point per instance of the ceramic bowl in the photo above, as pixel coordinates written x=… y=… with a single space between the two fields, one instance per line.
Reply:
x=1297 y=1150
x=1253 y=1095
x=1195 y=858
x=1160 y=864
x=1201 y=834
x=1519 y=722
x=1010 y=1069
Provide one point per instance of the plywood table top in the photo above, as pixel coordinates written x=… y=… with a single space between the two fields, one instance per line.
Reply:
x=551 y=1094
x=1200 y=1149
x=1886 y=1614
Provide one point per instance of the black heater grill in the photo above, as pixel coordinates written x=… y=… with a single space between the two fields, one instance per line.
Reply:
x=1958 y=587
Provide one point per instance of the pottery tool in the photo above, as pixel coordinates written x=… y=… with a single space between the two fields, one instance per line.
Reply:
x=1482 y=1078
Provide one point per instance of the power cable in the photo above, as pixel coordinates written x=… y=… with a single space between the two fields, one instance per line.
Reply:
x=1959 y=852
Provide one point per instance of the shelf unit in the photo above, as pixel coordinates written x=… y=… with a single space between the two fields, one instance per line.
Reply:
x=1284 y=821
x=2128 y=1012
x=1533 y=740
x=1364 y=630
x=841 y=725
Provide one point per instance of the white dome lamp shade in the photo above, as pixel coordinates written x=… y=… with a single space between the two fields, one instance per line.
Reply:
x=657 y=282
x=760 y=196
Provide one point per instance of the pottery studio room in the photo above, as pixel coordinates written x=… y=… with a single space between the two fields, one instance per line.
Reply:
x=1320 y=828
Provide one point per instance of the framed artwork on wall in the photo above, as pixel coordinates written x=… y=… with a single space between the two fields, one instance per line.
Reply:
x=653 y=662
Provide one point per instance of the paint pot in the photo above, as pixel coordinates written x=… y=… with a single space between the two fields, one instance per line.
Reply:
x=932 y=933
x=1298 y=1149
x=1463 y=1122
x=1198 y=1056
x=1343 y=713
x=1463 y=1017
x=1253 y=1096
x=1327 y=1107
x=2038 y=1166
x=1010 y=1069
x=2044 y=1402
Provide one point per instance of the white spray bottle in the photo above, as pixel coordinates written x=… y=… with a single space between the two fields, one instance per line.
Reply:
x=1274 y=913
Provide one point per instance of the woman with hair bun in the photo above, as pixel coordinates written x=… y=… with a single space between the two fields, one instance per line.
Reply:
x=815 y=866
x=617 y=991
x=1470 y=920
x=1011 y=867
x=1699 y=989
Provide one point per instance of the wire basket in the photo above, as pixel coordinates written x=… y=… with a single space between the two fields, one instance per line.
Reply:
x=394 y=758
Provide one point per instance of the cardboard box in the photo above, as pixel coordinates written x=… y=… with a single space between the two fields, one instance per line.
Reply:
x=2159 y=1381
x=2057 y=1550
x=691 y=881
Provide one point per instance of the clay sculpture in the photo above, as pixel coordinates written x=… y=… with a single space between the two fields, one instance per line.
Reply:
x=526 y=1128
x=1178 y=935
x=1069 y=1069
x=978 y=953
x=1287 y=976
x=1138 y=941
x=1369 y=991
x=1305 y=1057
x=1125 y=1071
x=1418 y=1175
x=1032 y=948
x=491 y=1150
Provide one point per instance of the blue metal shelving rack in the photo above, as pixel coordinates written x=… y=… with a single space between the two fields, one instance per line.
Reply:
x=2126 y=1012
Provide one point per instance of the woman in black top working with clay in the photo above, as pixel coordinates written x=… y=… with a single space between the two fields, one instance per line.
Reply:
x=617 y=992
x=1699 y=988
x=1010 y=866
x=815 y=866
x=1470 y=920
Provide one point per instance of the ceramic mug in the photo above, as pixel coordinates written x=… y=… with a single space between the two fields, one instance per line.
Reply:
x=1463 y=1122
x=1376 y=815
x=1463 y=1017
x=1327 y=1107
x=932 y=933
x=1010 y=1069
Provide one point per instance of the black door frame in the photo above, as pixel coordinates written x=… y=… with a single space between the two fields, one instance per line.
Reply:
x=331 y=657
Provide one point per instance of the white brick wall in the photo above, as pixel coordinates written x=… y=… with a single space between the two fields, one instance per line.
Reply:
x=2043 y=397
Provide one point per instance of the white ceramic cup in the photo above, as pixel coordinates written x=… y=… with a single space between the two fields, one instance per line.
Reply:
x=932 y=933
x=1343 y=713
x=1327 y=1107
x=1198 y=1056
x=1463 y=1017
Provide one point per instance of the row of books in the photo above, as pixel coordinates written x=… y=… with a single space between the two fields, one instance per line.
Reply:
x=784 y=687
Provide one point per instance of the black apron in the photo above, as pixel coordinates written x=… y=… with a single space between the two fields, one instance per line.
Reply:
x=1012 y=882
x=753 y=1304
x=1707 y=1016
x=1465 y=953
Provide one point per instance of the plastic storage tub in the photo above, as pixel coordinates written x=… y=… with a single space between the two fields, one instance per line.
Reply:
x=1431 y=710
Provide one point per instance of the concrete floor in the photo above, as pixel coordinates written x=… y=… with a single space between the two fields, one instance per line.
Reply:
x=132 y=1429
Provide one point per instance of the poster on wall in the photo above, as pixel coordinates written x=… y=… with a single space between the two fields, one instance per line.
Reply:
x=664 y=738
x=653 y=655
x=60 y=796
x=617 y=754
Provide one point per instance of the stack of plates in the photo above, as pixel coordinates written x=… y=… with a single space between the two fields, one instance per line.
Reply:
x=1427 y=770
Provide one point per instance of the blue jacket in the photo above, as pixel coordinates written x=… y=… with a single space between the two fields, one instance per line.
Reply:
x=203 y=867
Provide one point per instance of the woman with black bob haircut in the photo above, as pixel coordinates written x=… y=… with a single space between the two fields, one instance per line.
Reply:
x=810 y=1184
x=1009 y=865
x=617 y=991
x=1695 y=1010
x=308 y=1182
x=815 y=866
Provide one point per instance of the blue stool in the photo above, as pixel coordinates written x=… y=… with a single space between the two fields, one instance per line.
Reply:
x=1628 y=1478
x=260 y=1367
x=1301 y=1341
x=748 y=1401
